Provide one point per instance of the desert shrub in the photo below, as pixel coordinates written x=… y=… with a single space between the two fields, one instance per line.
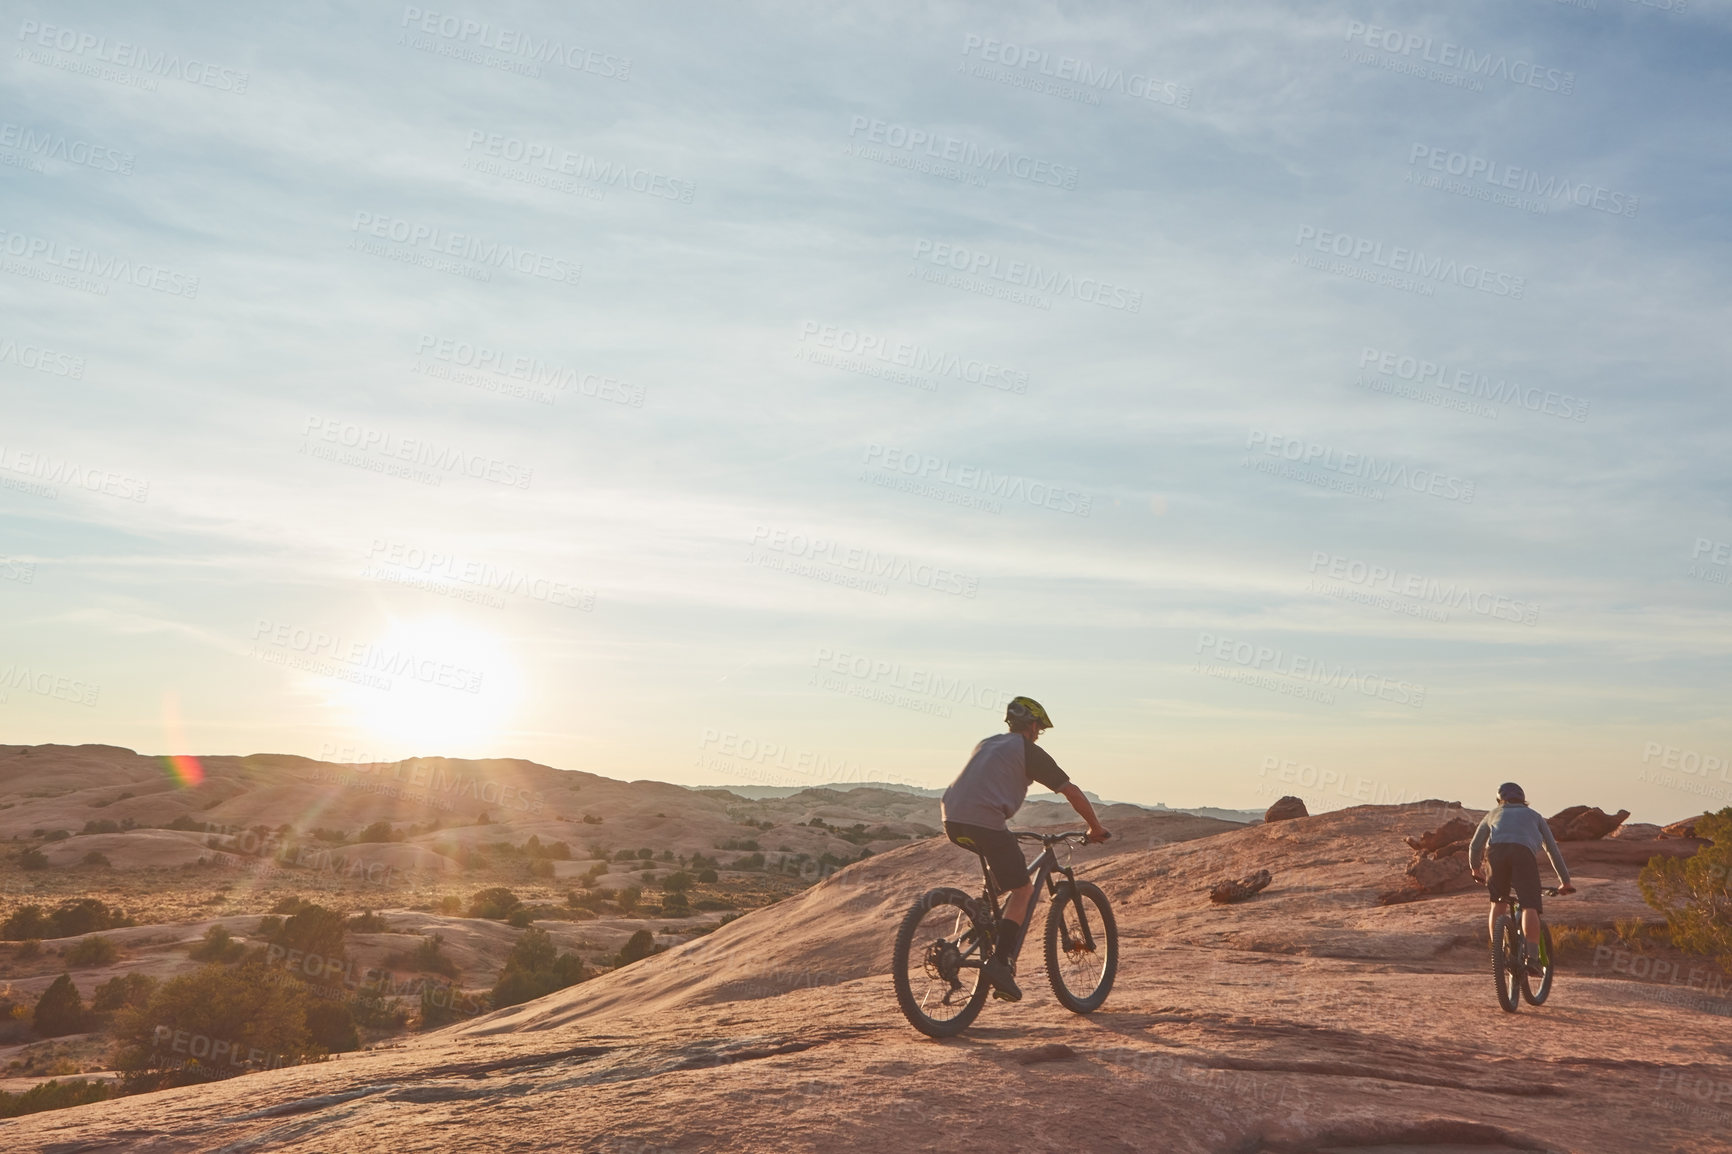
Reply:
x=1695 y=893
x=103 y=826
x=712 y=904
x=368 y=923
x=289 y=905
x=520 y=918
x=541 y=868
x=378 y=831
x=96 y=858
x=752 y=861
x=57 y=835
x=677 y=882
x=213 y=1023
x=331 y=1026
x=430 y=958
x=188 y=823
x=68 y=919
x=371 y=1008
x=1632 y=933
x=450 y=904
x=648 y=876
x=33 y=859
x=52 y=1095
x=27 y=949
x=119 y=992
x=495 y=902
x=638 y=947
x=217 y=945
x=675 y=901
x=735 y=843
x=535 y=969
x=1573 y=943
x=95 y=950
x=312 y=929
x=27 y=921
x=60 y=1010
x=628 y=898
x=707 y=876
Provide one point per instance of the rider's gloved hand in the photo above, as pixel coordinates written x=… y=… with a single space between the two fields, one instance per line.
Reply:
x=1098 y=834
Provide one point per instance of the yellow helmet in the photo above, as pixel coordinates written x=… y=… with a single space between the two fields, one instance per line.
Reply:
x=1023 y=710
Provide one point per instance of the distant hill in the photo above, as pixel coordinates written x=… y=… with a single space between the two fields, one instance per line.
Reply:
x=757 y=792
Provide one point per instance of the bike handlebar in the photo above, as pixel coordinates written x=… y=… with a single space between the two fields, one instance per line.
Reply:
x=1081 y=837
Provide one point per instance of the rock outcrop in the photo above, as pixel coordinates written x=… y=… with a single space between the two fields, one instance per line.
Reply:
x=1636 y=831
x=1685 y=828
x=1439 y=864
x=1225 y=893
x=1585 y=823
x=1286 y=809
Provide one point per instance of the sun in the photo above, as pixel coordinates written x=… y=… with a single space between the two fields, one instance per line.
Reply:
x=435 y=686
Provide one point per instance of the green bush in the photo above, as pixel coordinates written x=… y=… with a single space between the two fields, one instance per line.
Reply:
x=258 y=1017
x=103 y=826
x=52 y=1095
x=95 y=950
x=677 y=882
x=368 y=923
x=96 y=858
x=707 y=876
x=69 y=919
x=377 y=832
x=123 y=991
x=312 y=929
x=520 y=918
x=430 y=958
x=1695 y=893
x=60 y=1010
x=495 y=902
x=628 y=898
x=675 y=901
x=217 y=945
x=331 y=1027
x=535 y=969
x=640 y=946
x=371 y=1008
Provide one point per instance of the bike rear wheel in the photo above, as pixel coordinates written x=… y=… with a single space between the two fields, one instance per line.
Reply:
x=1506 y=963
x=1082 y=949
x=940 y=946
x=1536 y=995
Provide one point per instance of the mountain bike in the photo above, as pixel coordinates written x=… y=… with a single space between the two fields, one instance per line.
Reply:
x=1509 y=958
x=947 y=936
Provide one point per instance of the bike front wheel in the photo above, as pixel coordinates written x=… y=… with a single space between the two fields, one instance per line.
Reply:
x=940 y=946
x=1507 y=963
x=1537 y=993
x=1082 y=946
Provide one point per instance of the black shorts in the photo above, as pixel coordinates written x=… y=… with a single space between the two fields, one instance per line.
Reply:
x=1513 y=863
x=997 y=847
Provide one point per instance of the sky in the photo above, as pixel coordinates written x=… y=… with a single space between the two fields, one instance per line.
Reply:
x=1305 y=398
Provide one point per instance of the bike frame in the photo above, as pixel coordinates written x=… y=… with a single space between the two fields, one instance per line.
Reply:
x=1041 y=871
x=1513 y=906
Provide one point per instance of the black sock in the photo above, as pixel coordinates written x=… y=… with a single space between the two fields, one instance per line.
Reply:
x=1007 y=932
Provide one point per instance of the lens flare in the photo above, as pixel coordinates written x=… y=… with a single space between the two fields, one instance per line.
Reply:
x=182 y=767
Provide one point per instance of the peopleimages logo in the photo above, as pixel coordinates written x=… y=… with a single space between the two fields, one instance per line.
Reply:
x=463 y=32
x=1499 y=176
x=1382 y=579
x=1088 y=77
x=1280 y=663
x=966 y=153
x=92 y=263
x=1360 y=466
x=867 y=562
x=920 y=360
x=1471 y=384
x=1412 y=262
x=463 y=246
x=1415 y=46
x=942 y=470
x=1021 y=274
x=577 y=165
x=97 y=48
x=53 y=146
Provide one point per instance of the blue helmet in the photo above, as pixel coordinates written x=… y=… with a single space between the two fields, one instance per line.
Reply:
x=1510 y=791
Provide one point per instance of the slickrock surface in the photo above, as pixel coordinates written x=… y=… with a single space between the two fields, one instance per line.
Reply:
x=1310 y=1019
